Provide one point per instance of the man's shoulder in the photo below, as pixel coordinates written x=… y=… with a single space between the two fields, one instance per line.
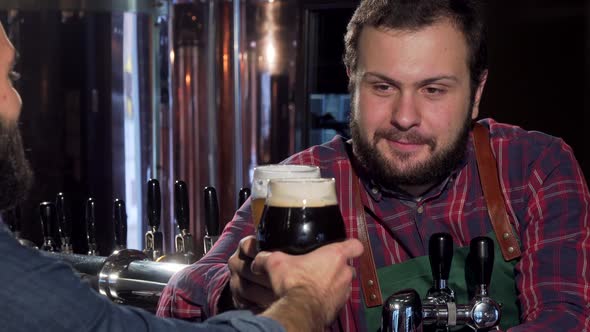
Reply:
x=516 y=137
x=327 y=153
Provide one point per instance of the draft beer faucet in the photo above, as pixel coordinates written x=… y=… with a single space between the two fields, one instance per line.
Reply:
x=211 y=218
x=154 y=240
x=90 y=217
x=48 y=221
x=243 y=196
x=120 y=223
x=184 y=240
x=404 y=311
x=64 y=220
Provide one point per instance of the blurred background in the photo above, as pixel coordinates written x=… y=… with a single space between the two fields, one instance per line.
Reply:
x=118 y=92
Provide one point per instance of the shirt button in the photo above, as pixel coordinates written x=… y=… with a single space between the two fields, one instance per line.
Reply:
x=420 y=209
x=375 y=191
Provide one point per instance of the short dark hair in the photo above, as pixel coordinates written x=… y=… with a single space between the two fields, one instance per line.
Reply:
x=467 y=15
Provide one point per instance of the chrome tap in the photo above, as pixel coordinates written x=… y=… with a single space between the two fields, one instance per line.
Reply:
x=64 y=219
x=404 y=311
x=154 y=240
x=49 y=221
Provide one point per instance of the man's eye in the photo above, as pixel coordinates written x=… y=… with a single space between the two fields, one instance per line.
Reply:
x=381 y=87
x=434 y=91
x=13 y=76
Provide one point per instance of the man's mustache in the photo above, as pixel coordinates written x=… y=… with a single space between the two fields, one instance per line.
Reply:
x=410 y=137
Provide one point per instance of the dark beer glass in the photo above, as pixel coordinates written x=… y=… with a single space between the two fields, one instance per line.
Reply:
x=300 y=215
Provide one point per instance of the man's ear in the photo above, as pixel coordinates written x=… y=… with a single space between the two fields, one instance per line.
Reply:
x=478 y=93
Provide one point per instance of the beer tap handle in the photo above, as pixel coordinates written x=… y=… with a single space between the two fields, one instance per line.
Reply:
x=243 y=196
x=120 y=219
x=181 y=206
x=90 y=217
x=440 y=251
x=12 y=220
x=211 y=211
x=48 y=221
x=481 y=252
x=63 y=216
x=154 y=204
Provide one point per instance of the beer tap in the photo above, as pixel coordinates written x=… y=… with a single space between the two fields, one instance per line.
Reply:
x=243 y=196
x=12 y=218
x=90 y=217
x=486 y=312
x=154 y=240
x=120 y=221
x=211 y=218
x=440 y=253
x=184 y=240
x=64 y=223
x=48 y=221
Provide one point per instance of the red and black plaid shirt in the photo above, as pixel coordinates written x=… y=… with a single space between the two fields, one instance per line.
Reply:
x=548 y=204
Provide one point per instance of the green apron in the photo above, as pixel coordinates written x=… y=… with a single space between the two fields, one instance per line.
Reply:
x=415 y=273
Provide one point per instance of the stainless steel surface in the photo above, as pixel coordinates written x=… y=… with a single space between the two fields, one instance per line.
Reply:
x=125 y=277
x=402 y=312
x=156 y=7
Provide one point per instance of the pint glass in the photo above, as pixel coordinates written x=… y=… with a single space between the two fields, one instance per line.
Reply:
x=300 y=215
x=262 y=174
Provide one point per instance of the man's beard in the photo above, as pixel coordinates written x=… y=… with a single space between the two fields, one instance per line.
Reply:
x=389 y=174
x=15 y=172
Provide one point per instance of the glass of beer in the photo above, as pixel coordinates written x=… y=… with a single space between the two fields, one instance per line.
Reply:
x=300 y=215
x=262 y=174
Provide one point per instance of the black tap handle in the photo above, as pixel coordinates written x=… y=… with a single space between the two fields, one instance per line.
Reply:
x=181 y=207
x=440 y=251
x=211 y=211
x=481 y=258
x=90 y=216
x=12 y=219
x=120 y=219
x=64 y=219
x=153 y=204
x=48 y=218
x=243 y=196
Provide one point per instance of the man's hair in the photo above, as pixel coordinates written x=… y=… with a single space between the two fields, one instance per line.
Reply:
x=411 y=15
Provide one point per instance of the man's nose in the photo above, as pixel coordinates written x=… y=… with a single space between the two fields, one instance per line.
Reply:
x=405 y=113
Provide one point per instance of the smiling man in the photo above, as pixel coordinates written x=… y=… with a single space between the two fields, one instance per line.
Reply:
x=417 y=70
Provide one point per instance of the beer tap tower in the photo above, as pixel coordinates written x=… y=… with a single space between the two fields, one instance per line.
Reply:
x=48 y=221
x=120 y=223
x=211 y=218
x=64 y=223
x=154 y=240
x=404 y=311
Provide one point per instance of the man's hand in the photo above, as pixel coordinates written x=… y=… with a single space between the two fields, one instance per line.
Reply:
x=312 y=287
x=249 y=291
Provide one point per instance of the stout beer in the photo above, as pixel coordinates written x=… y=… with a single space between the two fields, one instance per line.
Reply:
x=262 y=174
x=300 y=215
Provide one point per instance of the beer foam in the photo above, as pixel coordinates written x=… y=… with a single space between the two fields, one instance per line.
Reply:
x=301 y=193
x=262 y=174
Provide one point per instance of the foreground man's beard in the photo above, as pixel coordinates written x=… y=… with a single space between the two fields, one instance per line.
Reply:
x=428 y=172
x=15 y=172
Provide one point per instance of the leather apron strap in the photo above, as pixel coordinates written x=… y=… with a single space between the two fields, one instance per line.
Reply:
x=368 y=274
x=488 y=176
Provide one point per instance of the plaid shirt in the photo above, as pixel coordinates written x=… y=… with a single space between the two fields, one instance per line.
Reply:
x=548 y=204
